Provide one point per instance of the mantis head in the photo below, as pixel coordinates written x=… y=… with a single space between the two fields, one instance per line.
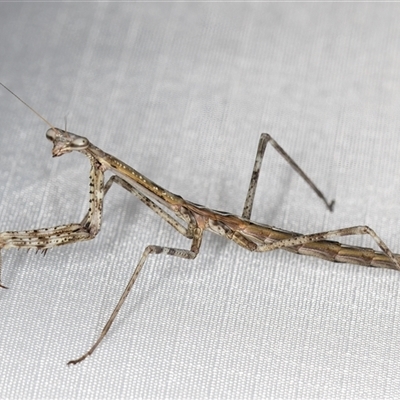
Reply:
x=65 y=142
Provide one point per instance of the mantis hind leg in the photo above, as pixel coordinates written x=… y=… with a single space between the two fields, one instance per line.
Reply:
x=152 y=249
x=265 y=138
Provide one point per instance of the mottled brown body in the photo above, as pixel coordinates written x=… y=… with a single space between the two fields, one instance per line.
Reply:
x=256 y=236
x=191 y=220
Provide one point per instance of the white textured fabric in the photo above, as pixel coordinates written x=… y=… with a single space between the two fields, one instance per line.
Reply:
x=182 y=91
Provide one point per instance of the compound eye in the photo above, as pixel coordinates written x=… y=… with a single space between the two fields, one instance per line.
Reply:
x=51 y=134
x=80 y=143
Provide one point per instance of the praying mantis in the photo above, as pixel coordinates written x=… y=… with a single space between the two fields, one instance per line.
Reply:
x=189 y=219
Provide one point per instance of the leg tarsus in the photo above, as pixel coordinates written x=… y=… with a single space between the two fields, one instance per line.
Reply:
x=1 y=285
